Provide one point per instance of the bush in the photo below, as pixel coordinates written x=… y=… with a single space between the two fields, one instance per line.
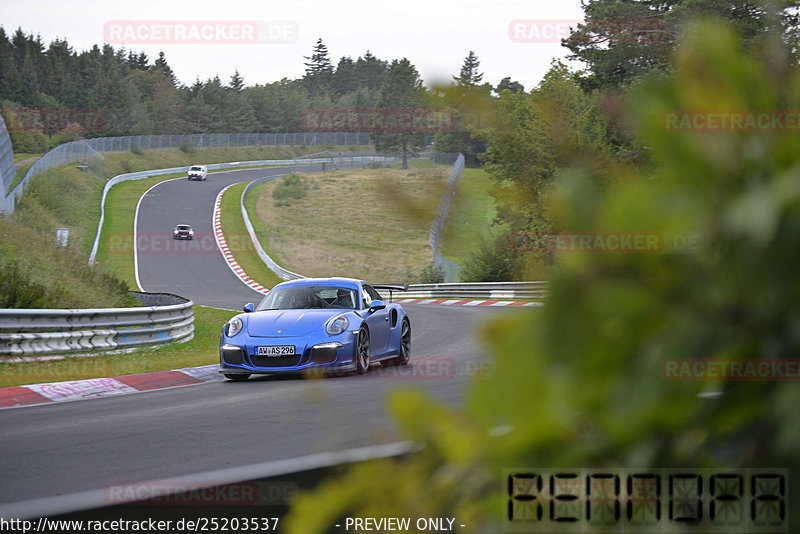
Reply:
x=135 y=148
x=187 y=146
x=430 y=274
x=29 y=142
x=17 y=290
x=293 y=186
x=493 y=261
x=127 y=165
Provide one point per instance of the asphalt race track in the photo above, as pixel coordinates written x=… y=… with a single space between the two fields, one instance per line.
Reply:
x=193 y=269
x=68 y=447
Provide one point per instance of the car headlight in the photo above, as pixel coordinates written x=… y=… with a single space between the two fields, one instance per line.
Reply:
x=337 y=325
x=233 y=327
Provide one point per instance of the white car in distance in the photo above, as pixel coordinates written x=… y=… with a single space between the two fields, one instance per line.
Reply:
x=198 y=172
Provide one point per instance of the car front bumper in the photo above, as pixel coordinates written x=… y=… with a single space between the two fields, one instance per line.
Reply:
x=335 y=355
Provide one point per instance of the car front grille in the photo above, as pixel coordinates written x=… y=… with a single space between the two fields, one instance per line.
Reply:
x=276 y=361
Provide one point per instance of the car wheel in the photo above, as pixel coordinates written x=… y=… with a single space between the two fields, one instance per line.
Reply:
x=362 y=351
x=237 y=377
x=405 y=343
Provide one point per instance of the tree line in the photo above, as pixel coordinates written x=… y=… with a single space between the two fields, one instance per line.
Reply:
x=134 y=95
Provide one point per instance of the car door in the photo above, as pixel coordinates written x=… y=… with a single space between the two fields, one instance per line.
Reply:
x=378 y=322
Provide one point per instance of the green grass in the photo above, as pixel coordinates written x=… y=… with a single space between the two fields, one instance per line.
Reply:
x=63 y=197
x=25 y=155
x=470 y=217
x=369 y=223
x=239 y=240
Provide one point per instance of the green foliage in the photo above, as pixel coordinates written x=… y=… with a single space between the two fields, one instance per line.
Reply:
x=430 y=274
x=622 y=40
x=19 y=291
x=580 y=382
x=32 y=142
x=493 y=261
x=187 y=146
x=534 y=136
x=291 y=187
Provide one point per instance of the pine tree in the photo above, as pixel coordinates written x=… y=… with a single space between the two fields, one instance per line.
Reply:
x=469 y=76
x=343 y=80
x=237 y=82
x=319 y=70
x=162 y=65
x=370 y=72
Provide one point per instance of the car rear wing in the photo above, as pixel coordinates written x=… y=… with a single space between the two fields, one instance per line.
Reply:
x=392 y=287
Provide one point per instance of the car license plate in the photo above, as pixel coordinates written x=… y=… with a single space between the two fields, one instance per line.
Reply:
x=282 y=350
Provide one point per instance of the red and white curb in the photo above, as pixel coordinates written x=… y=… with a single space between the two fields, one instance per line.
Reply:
x=91 y=388
x=458 y=302
x=226 y=252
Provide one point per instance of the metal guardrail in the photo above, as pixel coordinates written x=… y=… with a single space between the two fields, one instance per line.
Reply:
x=48 y=331
x=283 y=274
x=537 y=291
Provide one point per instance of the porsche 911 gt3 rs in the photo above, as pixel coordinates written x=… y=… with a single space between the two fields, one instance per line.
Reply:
x=324 y=324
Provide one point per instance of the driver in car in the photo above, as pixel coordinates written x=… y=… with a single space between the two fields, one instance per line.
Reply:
x=343 y=299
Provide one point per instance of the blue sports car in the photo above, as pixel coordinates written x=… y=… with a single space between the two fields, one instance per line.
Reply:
x=323 y=324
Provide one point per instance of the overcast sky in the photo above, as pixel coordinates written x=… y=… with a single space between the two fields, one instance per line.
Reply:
x=434 y=35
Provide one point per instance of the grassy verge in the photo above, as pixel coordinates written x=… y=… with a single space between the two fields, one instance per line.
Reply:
x=239 y=240
x=201 y=350
x=470 y=216
x=25 y=155
x=368 y=223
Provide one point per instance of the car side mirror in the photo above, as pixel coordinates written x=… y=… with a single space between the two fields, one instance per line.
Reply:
x=376 y=305
x=249 y=307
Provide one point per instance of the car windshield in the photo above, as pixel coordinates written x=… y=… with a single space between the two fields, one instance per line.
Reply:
x=309 y=297
x=183 y=227
x=196 y=168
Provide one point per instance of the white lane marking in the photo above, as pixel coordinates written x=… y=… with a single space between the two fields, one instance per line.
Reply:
x=136 y=232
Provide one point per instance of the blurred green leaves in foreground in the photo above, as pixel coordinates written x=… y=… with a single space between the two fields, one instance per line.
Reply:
x=579 y=383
